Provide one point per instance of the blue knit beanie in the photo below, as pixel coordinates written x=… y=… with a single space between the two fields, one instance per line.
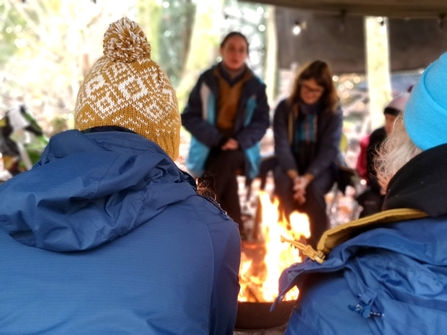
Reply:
x=425 y=116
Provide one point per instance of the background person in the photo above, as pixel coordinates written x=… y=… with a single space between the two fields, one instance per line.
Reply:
x=105 y=235
x=307 y=130
x=386 y=273
x=227 y=115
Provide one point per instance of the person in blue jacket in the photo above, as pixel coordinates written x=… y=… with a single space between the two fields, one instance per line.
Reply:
x=307 y=129
x=387 y=273
x=105 y=235
x=227 y=115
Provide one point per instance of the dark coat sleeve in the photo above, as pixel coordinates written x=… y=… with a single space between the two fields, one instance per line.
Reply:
x=330 y=135
x=253 y=133
x=193 y=121
x=283 y=152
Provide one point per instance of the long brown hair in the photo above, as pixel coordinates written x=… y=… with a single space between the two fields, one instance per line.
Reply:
x=321 y=73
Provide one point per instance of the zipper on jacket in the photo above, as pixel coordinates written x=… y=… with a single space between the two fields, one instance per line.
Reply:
x=215 y=203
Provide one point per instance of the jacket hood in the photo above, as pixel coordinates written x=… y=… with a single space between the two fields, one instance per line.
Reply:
x=89 y=189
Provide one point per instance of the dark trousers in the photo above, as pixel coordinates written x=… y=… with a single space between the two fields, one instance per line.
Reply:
x=221 y=170
x=315 y=205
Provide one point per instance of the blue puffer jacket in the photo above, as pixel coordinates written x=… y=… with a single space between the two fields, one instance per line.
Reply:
x=386 y=273
x=105 y=235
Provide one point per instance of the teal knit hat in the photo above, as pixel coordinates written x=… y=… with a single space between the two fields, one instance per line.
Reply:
x=425 y=116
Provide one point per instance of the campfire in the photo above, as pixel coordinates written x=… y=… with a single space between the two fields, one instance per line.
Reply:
x=263 y=260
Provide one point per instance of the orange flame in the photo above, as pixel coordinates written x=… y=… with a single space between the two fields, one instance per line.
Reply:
x=259 y=277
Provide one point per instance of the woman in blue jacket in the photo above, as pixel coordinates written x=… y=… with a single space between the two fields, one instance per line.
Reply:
x=307 y=129
x=387 y=273
x=105 y=235
x=227 y=116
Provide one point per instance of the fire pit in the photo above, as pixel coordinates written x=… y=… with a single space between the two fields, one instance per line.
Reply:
x=257 y=315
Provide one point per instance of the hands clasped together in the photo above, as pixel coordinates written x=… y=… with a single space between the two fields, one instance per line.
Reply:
x=231 y=144
x=300 y=184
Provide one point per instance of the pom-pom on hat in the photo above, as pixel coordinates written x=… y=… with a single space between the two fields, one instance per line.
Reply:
x=425 y=116
x=126 y=88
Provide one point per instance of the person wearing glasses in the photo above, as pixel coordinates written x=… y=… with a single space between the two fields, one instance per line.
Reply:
x=307 y=130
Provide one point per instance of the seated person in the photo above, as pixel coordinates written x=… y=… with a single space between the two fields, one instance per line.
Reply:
x=105 y=235
x=307 y=128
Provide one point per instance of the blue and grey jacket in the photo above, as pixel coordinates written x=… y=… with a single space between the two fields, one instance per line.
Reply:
x=200 y=115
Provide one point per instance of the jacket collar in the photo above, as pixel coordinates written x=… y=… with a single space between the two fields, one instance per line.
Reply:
x=421 y=184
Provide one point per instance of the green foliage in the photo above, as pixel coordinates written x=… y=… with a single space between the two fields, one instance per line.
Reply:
x=176 y=25
x=149 y=15
x=48 y=46
x=251 y=20
x=12 y=26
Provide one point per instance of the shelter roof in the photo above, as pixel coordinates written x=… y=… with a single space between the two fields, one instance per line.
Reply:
x=389 y=8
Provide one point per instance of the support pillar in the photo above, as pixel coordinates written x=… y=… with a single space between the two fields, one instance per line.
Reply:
x=378 y=68
x=271 y=59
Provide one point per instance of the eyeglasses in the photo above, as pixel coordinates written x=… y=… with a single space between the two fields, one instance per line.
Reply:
x=311 y=89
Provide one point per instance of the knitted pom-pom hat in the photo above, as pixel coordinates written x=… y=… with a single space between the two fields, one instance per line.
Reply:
x=126 y=88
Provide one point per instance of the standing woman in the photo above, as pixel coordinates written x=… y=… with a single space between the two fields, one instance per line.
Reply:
x=307 y=128
x=227 y=114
